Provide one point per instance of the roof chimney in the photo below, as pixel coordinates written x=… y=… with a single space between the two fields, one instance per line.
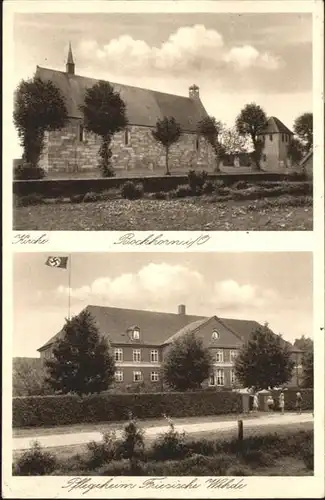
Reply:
x=194 y=92
x=70 y=63
x=182 y=309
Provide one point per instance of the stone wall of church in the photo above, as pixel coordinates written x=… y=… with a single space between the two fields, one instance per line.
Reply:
x=74 y=150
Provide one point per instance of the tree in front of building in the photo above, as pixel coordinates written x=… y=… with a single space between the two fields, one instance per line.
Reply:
x=104 y=115
x=210 y=129
x=250 y=123
x=303 y=128
x=264 y=361
x=39 y=107
x=187 y=363
x=167 y=132
x=295 y=150
x=82 y=361
x=304 y=343
x=308 y=369
x=28 y=378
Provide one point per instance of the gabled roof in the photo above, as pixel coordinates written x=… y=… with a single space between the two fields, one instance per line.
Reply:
x=157 y=328
x=144 y=107
x=275 y=126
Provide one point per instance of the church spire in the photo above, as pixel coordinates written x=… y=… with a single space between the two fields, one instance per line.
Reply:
x=70 y=62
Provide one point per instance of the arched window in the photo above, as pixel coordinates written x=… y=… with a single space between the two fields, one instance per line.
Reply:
x=215 y=335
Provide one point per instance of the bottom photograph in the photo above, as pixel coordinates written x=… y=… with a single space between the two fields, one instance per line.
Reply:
x=163 y=364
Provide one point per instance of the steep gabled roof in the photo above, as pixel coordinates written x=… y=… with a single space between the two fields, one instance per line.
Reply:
x=275 y=126
x=144 y=107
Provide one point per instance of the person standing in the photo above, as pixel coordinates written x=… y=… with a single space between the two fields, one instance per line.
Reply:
x=298 y=402
x=270 y=403
x=255 y=402
x=281 y=403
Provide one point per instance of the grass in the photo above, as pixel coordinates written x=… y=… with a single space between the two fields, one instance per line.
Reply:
x=284 y=213
x=272 y=454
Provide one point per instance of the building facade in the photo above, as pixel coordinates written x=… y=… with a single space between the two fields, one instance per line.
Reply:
x=73 y=149
x=276 y=139
x=140 y=339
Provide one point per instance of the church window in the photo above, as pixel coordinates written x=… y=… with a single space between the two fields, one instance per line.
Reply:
x=271 y=137
x=126 y=137
x=197 y=143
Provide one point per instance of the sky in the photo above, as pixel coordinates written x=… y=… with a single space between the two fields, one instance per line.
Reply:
x=233 y=58
x=263 y=286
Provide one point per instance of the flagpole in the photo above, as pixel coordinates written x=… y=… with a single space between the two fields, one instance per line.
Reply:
x=69 y=285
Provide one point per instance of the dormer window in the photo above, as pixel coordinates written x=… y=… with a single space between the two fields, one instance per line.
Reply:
x=215 y=335
x=136 y=334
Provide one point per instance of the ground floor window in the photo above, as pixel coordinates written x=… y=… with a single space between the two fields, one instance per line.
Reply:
x=154 y=376
x=119 y=376
x=137 y=376
x=220 y=376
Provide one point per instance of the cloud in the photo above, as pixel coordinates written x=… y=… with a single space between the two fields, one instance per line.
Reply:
x=187 y=49
x=163 y=286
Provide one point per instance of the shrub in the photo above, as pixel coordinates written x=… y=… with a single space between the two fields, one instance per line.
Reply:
x=198 y=465
x=201 y=447
x=132 y=191
x=102 y=452
x=27 y=171
x=208 y=187
x=105 y=407
x=257 y=458
x=91 y=197
x=307 y=455
x=107 y=170
x=240 y=185
x=29 y=199
x=196 y=180
x=170 y=445
x=77 y=198
x=132 y=444
x=183 y=191
x=35 y=462
x=160 y=195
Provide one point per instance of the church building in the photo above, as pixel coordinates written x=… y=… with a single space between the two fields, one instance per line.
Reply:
x=74 y=150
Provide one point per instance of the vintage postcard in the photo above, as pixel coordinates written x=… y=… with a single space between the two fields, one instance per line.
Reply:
x=165 y=117
x=163 y=256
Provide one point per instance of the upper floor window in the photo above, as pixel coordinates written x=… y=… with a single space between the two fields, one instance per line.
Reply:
x=118 y=353
x=215 y=335
x=154 y=356
x=81 y=133
x=137 y=355
x=118 y=376
x=136 y=334
x=197 y=143
x=219 y=356
x=126 y=137
x=233 y=355
x=271 y=137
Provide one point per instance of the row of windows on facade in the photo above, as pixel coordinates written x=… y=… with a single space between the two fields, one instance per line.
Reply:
x=137 y=376
x=126 y=139
x=216 y=379
x=154 y=355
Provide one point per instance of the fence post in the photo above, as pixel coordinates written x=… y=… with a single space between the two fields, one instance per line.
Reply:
x=240 y=430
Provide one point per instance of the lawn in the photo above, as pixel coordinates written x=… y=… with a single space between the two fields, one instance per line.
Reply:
x=284 y=213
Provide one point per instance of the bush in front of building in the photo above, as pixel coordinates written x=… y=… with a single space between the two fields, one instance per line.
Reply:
x=71 y=409
x=35 y=462
x=132 y=191
x=27 y=171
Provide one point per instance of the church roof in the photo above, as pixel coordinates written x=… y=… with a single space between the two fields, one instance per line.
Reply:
x=275 y=126
x=144 y=107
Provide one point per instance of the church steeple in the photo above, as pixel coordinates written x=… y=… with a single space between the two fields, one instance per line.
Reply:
x=70 y=62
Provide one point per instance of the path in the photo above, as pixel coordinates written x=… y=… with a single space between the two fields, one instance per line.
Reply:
x=290 y=419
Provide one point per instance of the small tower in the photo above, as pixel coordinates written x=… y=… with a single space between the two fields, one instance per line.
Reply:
x=70 y=63
x=194 y=92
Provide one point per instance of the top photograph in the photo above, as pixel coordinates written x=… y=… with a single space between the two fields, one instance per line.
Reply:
x=162 y=122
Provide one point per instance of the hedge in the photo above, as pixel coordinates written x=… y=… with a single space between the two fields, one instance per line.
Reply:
x=42 y=411
x=56 y=188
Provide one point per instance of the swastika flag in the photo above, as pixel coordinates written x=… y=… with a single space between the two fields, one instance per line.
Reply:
x=61 y=262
